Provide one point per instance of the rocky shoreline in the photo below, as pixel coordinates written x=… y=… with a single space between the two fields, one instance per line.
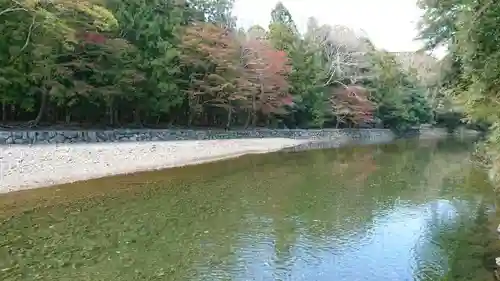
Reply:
x=140 y=135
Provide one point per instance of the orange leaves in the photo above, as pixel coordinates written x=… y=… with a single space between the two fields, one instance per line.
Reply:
x=93 y=38
x=227 y=72
x=208 y=43
x=352 y=104
x=211 y=55
x=265 y=60
x=268 y=68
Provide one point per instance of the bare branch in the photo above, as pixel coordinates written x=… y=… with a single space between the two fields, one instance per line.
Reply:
x=8 y=10
x=26 y=42
x=343 y=49
x=30 y=31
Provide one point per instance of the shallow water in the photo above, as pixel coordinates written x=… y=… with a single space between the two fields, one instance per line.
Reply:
x=405 y=211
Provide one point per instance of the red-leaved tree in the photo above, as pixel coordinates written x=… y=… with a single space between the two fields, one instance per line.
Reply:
x=211 y=55
x=351 y=105
x=267 y=69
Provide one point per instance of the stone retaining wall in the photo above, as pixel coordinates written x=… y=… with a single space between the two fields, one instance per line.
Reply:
x=46 y=137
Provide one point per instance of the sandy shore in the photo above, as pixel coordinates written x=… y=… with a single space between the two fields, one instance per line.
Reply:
x=25 y=167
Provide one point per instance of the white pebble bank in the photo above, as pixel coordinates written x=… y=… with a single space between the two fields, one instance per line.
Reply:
x=25 y=167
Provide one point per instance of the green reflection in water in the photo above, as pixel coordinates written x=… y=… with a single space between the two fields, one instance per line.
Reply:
x=405 y=211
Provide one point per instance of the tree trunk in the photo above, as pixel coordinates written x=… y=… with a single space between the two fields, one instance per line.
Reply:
x=68 y=117
x=137 y=117
x=41 y=110
x=116 y=117
x=4 y=110
x=254 y=107
x=190 y=118
x=13 y=112
x=249 y=118
x=205 y=118
x=254 y=119
x=229 y=117
x=110 y=113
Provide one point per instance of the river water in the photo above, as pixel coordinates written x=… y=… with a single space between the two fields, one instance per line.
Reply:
x=405 y=211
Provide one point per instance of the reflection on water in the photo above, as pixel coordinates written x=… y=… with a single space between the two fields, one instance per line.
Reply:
x=405 y=211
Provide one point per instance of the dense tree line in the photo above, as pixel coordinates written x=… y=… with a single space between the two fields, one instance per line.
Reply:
x=184 y=63
x=471 y=68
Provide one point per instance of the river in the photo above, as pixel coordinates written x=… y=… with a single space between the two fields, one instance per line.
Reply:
x=404 y=211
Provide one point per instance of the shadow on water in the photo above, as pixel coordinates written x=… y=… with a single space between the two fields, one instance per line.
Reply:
x=412 y=210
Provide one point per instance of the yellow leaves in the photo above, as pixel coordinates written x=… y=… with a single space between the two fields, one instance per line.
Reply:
x=209 y=42
x=103 y=18
x=216 y=78
x=228 y=87
x=66 y=18
x=118 y=46
x=238 y=97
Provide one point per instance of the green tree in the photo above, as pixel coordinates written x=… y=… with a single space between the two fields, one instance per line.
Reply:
x=281 y=15
x=153 y=27
x=217 y=12
x=283 y=32
x=307 y=86
x=42 y=45
x=440 y=27
x=400 y=101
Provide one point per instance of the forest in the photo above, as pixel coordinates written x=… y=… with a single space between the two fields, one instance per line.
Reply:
x=469 y=30
x=185 y=63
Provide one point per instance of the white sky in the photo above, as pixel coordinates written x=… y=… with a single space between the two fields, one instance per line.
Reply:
x=390 y=24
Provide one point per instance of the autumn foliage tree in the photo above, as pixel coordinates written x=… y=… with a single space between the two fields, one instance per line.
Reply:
x=267 y=69
x=211 y=54
x=159 y=63
x=103 y=67
x=351 y=105
x=233 y=75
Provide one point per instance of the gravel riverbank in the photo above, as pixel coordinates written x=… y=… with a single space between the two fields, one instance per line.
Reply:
x=25 y=167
